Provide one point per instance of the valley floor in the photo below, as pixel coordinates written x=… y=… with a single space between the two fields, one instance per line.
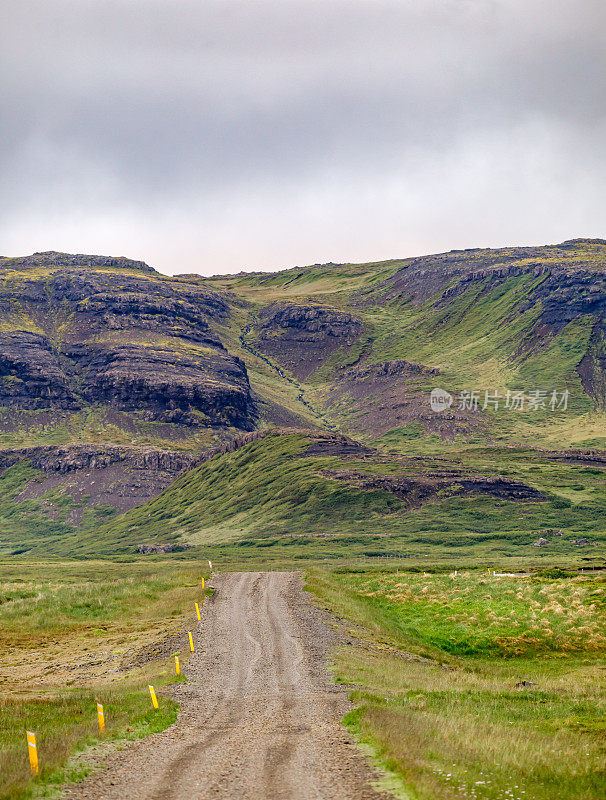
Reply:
x=475 y=683
x=259 y=718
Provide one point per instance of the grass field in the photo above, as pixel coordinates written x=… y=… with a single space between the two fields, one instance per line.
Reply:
x=72 y=634
x=436 y=664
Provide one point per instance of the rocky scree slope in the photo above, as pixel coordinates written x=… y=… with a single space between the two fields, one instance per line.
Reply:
x=302 y=336
x=93 y=476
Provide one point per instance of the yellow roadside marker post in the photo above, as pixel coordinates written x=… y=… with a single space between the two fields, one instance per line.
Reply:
x=177 y=667
x=198 y=611
x=33 y=752
x=154 y=699
x=203 y=583
x=100 y=718
x=191 y=642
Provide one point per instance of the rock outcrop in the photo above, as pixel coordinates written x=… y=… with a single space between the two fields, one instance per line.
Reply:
x=53 y=259
x=32 y=373
x=189 y=387
x=103 y=475
x=82 y=331
x=419 y=488
x=73 y=458
x=160 y=549
x=302 y=336
x=572 y=269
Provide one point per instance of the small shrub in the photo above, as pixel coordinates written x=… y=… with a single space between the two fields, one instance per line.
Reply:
x=555 y=573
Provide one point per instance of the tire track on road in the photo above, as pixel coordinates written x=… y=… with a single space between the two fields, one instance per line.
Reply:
x=258 y=720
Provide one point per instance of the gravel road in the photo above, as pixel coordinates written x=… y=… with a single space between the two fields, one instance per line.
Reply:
x=259 y=718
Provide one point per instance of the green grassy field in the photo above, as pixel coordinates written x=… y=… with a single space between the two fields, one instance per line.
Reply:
x=70 y=633
x=435 y=666
x=435 y=662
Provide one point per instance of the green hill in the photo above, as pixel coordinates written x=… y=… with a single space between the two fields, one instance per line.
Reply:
x=121 y=387
x=519 y=320
x=288 y=494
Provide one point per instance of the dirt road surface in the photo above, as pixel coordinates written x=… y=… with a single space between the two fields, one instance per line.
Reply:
x=259 y=718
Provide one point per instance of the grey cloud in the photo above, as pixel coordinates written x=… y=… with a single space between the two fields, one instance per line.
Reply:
x=299 y=116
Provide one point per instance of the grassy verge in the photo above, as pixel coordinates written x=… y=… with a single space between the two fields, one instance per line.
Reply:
x=436 y=674
x=76 y=633
x=65 y=721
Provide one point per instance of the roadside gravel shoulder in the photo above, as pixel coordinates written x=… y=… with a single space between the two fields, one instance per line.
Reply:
x=259 y=717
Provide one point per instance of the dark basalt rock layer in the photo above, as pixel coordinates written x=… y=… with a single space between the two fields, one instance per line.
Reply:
x=417 y=489
x=187 y=388
x=103 y=475
x=32 y=374
x=302 y=336
x=73 y=458
x=93 y=330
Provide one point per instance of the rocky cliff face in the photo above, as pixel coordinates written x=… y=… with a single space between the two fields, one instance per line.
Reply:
x=91 y=330
x=103 y=475
x=301 y=336
x=32 y=374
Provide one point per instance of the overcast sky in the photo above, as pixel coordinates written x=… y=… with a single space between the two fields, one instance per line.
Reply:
x=219 y=135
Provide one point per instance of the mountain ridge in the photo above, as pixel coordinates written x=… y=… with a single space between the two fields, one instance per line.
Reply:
x=127 y=377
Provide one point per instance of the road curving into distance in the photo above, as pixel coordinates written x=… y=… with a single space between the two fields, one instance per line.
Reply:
x=259 y=718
